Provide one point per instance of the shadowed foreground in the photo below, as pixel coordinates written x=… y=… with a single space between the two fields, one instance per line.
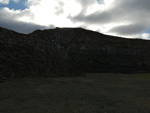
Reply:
x=95 y=93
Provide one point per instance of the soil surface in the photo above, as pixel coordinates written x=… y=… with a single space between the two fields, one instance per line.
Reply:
x=94 y=93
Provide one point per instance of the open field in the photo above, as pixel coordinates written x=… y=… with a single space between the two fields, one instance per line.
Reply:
x=95 y=93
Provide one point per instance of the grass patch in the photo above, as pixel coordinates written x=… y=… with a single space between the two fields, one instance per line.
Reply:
x=142 y=76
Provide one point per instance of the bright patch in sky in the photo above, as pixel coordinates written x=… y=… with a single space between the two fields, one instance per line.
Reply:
x=126 y=18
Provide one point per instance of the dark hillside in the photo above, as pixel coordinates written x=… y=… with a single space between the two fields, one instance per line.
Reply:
x=70 y=51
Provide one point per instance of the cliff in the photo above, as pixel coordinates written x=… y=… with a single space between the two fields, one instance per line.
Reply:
x=70 y=51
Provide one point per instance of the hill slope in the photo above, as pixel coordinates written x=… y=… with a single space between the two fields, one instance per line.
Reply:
x=67 y=51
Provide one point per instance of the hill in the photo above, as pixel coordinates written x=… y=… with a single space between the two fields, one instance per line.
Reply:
x=70 y=51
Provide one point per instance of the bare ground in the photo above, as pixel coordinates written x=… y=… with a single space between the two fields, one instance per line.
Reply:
x=95 y=93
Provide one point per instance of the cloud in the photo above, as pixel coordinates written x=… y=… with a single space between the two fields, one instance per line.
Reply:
x=22 y=27
x=130 y=29
x=4 y=2
x=11 y=19
x=122 y=18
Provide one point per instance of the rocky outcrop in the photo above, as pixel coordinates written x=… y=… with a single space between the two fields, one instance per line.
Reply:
x=70 y=51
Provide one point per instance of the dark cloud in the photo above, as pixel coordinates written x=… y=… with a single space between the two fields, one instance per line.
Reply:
x=121 y=17
x=9 y=20
x=85 y=3
x=21 y=27
x=95 y=18
x=59 y=9
x=130 y=29
x=119 y=13
x=134 y=12
x=134 y=5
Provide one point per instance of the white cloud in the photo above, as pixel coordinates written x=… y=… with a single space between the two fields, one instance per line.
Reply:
x=52 y=12
x=4 y=2
x=11 y=19
x=145 y=36
x=121 y=18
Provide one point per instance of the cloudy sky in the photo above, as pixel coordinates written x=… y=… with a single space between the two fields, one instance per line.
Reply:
x=127 y=18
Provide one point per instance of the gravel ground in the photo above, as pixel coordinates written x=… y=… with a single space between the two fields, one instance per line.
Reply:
x=95 y=93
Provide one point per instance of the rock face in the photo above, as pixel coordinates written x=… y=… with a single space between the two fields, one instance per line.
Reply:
x=70 y=51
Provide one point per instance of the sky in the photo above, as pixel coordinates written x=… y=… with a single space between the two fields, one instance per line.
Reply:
x=125 y=18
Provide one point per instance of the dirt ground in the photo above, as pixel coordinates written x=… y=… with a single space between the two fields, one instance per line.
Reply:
x=95 y=93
